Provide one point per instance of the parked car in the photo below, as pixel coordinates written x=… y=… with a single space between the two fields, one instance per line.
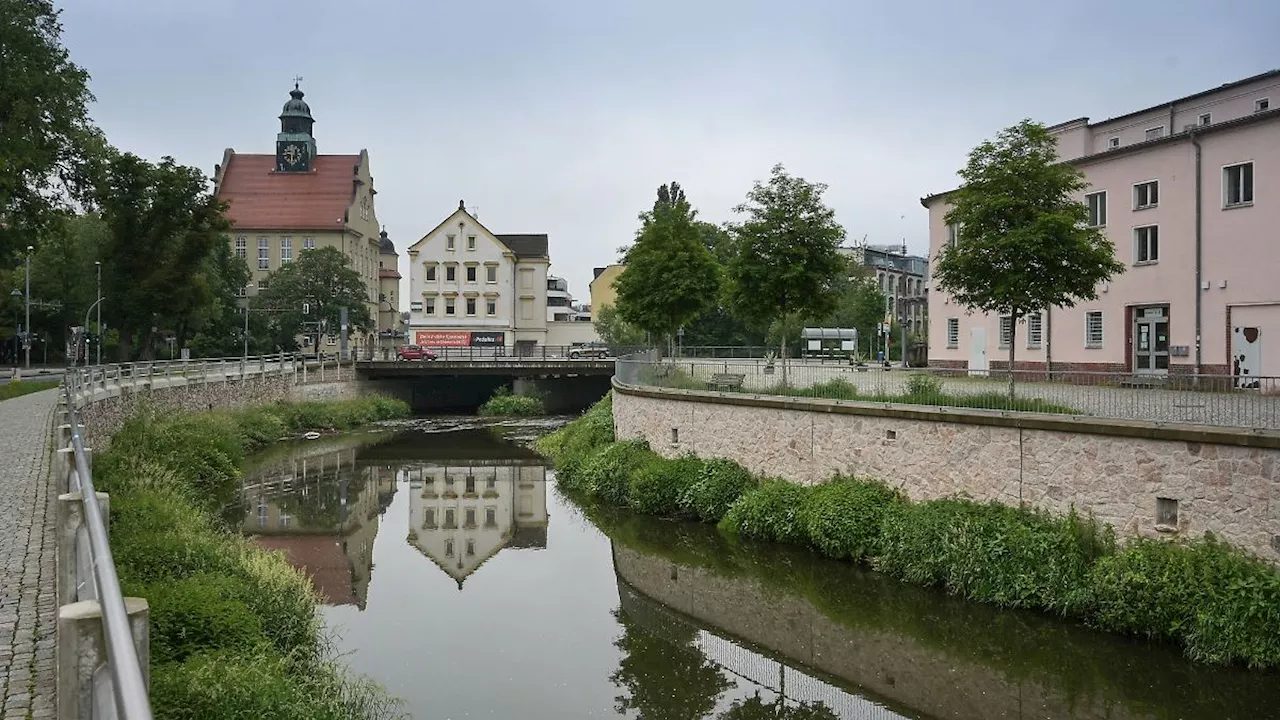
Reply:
x=589 y=350
x=414 y=352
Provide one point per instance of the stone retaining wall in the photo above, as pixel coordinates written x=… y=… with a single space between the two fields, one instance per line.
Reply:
x=1221 y=480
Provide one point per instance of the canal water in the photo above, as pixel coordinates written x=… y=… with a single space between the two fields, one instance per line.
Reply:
x=456 y=575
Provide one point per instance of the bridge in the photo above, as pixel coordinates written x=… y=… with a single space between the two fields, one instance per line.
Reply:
x=507 y=367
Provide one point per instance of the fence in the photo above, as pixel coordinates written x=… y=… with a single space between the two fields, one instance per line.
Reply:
x=96 y=378
x=1216 y=400
x=491 y=353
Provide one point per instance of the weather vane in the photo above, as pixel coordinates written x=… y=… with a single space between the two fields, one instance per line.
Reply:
x=297 y=79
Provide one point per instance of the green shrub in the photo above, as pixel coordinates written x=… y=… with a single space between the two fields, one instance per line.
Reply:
x=340 y=415
x=1221 y=603
x=843 y=517
x=197 y=613
x=572 y=445
x=718 y=487
x=994 y=553
x=834 y=389
x=658 y=486
x=504 y=404
x=774 y=510
x=607 y=475
x=922 y=385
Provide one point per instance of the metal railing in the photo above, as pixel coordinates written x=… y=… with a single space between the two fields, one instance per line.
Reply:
x=98 y=377
x=500 y=353
x=102 y=636
x=1214 y=400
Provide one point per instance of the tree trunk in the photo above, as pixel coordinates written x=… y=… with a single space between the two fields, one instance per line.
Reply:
x=1013 y=347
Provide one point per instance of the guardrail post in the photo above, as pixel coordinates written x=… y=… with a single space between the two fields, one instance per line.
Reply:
x=82 y=649
x=70 y=519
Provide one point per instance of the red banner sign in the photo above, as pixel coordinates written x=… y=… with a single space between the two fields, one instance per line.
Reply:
x=442 y=338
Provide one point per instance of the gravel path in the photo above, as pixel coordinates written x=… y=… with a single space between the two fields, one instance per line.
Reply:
x=28 y=597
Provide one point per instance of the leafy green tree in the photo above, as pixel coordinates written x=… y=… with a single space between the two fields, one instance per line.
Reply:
x=664 y=677
x=671 y=277
x=63 y=274
x=753 y=708
x=322 y=281
x=785 y=260
x=165 y=230
x=615 y=331
x=48 y=146
x=1025 y=242
x=860 y=305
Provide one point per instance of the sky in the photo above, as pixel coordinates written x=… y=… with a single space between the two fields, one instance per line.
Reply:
x=563 y=116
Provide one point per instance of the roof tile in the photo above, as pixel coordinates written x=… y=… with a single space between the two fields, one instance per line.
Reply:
x=260 y=198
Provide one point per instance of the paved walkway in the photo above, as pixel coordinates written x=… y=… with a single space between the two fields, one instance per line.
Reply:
x=28 y=596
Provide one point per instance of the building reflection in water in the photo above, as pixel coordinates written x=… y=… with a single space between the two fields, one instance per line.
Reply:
x=321 y=507
x=463 y=512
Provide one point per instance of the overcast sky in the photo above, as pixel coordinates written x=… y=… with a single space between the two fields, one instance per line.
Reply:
x=563 y=116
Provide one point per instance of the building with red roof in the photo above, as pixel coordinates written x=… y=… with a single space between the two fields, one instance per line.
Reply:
x=283 y=204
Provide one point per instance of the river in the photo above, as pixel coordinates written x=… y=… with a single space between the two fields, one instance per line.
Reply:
x=457 y=576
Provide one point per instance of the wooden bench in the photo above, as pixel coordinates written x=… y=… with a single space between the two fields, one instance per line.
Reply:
x=726 y=381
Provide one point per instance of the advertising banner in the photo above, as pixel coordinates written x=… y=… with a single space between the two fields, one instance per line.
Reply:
x=442 y=338
x=488 y=339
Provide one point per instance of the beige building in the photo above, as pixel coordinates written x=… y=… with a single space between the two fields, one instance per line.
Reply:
x=390 y=327
x=471 y=288
x=601 y=288
x=295 y=200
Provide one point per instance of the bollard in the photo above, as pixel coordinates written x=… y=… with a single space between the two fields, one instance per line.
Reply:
x=82 y=649
x=70 y=519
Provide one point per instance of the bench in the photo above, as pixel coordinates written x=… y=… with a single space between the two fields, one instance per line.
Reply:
x=726 y=381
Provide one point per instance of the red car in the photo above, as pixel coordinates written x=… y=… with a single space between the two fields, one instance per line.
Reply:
x=414 y=352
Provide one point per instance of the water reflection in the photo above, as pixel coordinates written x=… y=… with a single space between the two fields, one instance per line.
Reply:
x=603 y=614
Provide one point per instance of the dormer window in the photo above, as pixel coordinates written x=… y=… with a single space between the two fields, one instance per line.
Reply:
x=1262 y=104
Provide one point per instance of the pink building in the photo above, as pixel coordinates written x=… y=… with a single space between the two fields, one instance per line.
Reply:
x=1189 y=192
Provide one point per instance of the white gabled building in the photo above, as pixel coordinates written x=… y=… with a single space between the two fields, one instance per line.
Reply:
x=469 y=287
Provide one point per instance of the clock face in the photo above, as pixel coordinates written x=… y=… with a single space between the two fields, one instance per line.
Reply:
x=292 y=154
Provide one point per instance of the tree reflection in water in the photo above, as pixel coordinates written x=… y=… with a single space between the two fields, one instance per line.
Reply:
x=665 y=676
x=756 y=709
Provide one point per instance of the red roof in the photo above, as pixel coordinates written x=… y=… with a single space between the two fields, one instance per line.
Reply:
x=262 y=199
x=385 y=273
x=322 y=559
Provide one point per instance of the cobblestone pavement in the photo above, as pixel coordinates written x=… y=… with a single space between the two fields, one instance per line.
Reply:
x=28 y=596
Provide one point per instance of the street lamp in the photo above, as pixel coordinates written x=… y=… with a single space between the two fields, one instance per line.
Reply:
x=26 y=341
x=101 y=335
x=87 y=313
x=17 y=336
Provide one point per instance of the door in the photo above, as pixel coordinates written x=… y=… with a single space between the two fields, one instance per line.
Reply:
x=1246 y=356
x=1150 y=341
x=978 y=351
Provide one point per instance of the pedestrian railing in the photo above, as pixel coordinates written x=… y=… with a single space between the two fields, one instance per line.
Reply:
x=103 y=644
x=487 y=353
x=94 y=379
x=1249 y=402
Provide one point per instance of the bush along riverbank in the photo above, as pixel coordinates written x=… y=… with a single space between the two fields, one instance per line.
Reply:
x=1220 y=603
x=235 y=631
x=504 y=404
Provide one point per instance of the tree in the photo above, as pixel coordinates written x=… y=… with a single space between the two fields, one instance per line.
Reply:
x=62 y=272
x=860 y=304
x=48 y=146
x=616 y=332
x=165 y=229
x=1026 y=242
x=785 y=260
x=321 y=281
x=754 y=708
x=671 y=277
x=664 y=676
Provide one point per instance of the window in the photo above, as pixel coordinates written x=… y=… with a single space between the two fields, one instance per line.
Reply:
x=431 y=273
x=1006 y=330
x=953 y=332
x=448 y=547
x=308 y=243
x=490 y=517
x=471 y=306
x=1146 y=244
x=1237 y=185
x=331 y=339
x=1206 y=118
x=953 y=237
x=1155 y=133
x=491 y=308
x=471 y=545
x=429 y=518
x=491 y=274
x=1113 y=142
x=1146 y=195
x=264 y=253
x=1262 y=104
x=286 y=250
x=471 y=517
x=448 y=242
x=1097 y=208
x=242 y=247
x=242 y=292
x=471 y=242
x=1093 y=329
x=429 y=306
x=450 y=273
x=1035 y=330
x=262 y=285
x=449 y=306
x=471 y=274
x=450 y=519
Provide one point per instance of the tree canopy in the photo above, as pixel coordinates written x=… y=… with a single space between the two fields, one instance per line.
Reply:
x=615 y=331
x=323 y=281
x=1024 y=241
x=671 y=276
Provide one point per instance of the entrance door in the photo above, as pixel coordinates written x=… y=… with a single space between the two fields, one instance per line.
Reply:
x=1246 y=356
x=1150 y=341
x=978 y=351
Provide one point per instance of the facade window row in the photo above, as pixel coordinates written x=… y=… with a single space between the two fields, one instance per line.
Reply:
x=471 y=273
x=427 y=306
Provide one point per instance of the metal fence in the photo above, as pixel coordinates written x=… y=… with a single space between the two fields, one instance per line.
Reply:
x=490 y=353
x=1216 y=400
x=93 y=378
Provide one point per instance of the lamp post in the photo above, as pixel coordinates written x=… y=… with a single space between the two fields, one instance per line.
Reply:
x=26 y=340
x=87 y=313
x=101 y=335
x=16 y=334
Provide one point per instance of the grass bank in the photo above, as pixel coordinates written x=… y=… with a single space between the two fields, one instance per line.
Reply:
x=1219 y=603
x=505 y=404
x=235 y=631
x=16 y=388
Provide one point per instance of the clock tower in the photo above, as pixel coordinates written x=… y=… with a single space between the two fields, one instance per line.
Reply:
x=295 y=145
